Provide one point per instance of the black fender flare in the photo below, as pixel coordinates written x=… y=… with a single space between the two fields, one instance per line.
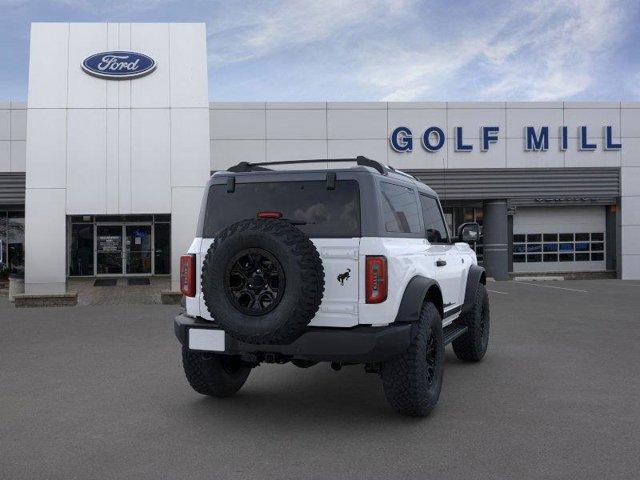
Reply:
x=417 y=290
x=475 y=276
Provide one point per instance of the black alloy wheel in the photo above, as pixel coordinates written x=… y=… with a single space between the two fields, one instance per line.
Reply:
x=254 y=281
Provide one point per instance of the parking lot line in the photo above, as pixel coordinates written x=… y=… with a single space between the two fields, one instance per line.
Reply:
x=496 y=291
x=551 y=286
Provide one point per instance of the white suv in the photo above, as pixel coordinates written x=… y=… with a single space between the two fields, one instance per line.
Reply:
x=343 y=265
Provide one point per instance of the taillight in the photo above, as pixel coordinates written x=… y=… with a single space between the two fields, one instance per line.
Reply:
x=269 y=214
x=188 y=275
x=377 y=279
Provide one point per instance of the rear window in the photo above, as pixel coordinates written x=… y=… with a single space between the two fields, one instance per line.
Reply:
x=321 y=212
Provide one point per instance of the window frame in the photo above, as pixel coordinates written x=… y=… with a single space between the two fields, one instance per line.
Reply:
x=449 y=239
x=383 y=229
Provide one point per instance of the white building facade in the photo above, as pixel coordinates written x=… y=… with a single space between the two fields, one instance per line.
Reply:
x=115 y=168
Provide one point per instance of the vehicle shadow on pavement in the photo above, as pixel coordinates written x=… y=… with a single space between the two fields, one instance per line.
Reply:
x=286 y=394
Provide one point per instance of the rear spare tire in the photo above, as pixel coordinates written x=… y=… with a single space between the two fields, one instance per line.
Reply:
x=263 y=281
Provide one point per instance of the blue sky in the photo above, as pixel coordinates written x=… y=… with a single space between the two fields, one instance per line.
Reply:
x=378 y=49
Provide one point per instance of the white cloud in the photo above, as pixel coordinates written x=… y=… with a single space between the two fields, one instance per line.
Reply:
x=407 y=50
x=569 y=50
x=545 y=51
x=261 y=28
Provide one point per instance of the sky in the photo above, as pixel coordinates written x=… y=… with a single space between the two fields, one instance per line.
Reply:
x=377 y=50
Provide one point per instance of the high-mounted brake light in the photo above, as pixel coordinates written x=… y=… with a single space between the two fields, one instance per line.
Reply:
x=188 y=275
x=376 y=279
x=269 y=214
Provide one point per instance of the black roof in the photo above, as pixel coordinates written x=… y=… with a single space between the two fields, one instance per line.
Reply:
x=362 y=163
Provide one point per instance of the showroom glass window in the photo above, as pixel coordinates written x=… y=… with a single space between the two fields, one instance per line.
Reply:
x=120 y=245
x=400 y=211
x=4 y=266
x=81 y=251
x=162 y=252
x=12 y=242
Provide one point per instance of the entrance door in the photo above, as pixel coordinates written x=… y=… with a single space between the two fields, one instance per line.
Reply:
x=109 y=250
x=138 y=248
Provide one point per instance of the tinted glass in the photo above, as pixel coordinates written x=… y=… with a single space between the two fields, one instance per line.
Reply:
x=3 y=245
x=15 y=241
x=399 y=209
x=163 y=248
x=321 y=212
x=582 y=246
x=81 y=251
x=433 y=222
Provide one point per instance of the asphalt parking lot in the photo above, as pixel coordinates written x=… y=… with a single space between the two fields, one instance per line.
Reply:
x=98 y=392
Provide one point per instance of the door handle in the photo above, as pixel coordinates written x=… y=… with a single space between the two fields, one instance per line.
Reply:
x=441 y=263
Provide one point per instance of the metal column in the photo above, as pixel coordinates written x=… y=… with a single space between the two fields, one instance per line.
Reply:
x=496 y=239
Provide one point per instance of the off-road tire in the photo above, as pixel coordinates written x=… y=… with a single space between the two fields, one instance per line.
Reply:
x=303 y=273
x=304 y=363
x=405 y=378
x=472 y=345
x=214 y=374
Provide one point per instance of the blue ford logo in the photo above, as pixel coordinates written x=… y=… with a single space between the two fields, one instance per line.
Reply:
x=118 y=65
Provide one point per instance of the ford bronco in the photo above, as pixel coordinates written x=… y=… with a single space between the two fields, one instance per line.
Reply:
x=348 y=265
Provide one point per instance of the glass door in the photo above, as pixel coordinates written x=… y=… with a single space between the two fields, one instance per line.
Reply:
x=162 y=240
x=138 y=248
x=109 y=249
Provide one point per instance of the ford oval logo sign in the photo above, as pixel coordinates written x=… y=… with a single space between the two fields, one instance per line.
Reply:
x=118 y=65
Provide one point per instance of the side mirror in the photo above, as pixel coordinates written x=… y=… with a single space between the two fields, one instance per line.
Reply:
x=469 y=232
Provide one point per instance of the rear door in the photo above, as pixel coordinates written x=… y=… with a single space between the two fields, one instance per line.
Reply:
x=329 y=216
x=339 y=307
x=449 y=267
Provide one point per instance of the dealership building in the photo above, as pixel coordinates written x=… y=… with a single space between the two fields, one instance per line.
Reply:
x=102 y=169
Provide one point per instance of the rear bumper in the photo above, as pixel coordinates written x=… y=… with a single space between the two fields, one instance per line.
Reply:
x=361 y=344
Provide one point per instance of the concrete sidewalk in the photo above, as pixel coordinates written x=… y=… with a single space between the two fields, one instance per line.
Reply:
x=121 y=294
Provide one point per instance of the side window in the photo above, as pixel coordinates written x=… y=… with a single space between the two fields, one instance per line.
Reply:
x=399 y=209
x=433 y=221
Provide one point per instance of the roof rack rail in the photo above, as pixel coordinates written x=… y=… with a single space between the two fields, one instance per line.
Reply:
x=400 y=172
x=260 y=166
